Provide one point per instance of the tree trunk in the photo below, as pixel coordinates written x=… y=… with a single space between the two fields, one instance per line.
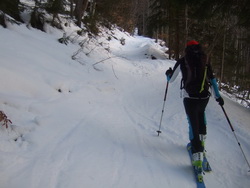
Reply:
x=92 y=7
x=177 y=35
x=71 y=8
x=186 y=23
x=169 y=17
x=80 y=8
x=223 y=59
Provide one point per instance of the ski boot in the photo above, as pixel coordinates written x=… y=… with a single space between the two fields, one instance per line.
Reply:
x=197 y=159
x=203 y=139
x=206 y=166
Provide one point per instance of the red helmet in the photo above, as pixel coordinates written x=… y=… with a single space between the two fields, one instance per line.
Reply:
x=192 y=42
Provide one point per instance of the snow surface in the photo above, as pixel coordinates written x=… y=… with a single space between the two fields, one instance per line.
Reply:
x=91 y=122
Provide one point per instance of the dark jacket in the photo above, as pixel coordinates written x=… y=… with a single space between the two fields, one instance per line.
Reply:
x=180 y=66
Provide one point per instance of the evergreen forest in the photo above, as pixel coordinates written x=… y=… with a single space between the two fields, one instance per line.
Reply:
x=221 y=26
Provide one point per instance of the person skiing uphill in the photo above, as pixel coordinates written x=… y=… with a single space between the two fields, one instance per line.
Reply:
x=197 y=76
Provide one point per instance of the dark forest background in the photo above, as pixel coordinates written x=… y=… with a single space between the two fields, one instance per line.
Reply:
x=221 y=26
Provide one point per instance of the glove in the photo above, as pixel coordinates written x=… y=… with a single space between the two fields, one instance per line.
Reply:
x=169 y=73
x=220 y=101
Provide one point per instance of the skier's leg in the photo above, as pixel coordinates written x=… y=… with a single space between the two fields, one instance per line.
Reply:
x=192 y=111
x=203 y=121
x=191 y=108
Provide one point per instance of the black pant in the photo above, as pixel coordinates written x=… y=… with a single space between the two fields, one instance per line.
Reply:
x=195 y=110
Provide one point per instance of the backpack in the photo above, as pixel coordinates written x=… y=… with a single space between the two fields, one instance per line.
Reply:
x=195 y=80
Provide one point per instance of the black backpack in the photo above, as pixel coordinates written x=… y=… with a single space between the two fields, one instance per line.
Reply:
x=195 y=66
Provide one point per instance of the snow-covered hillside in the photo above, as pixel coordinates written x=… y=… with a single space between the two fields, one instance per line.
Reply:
x=91 y=122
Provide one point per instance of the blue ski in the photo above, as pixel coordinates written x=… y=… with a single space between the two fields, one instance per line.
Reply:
x=200 y=184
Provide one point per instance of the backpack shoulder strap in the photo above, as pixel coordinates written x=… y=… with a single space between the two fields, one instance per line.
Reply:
x=205 y=74
x=203 y=80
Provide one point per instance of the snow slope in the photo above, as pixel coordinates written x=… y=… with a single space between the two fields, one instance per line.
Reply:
x=91 y=122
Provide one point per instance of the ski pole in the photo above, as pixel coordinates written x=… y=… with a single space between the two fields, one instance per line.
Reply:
x=236 y=137
x=165 y=96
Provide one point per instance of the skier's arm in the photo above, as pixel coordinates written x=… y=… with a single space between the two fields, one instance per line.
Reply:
x=215 y=88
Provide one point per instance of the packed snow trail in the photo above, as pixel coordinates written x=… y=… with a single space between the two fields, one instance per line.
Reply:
x=79 y=125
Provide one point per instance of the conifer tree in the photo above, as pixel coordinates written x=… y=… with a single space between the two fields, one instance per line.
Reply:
x=55 y=7
x=10 y=8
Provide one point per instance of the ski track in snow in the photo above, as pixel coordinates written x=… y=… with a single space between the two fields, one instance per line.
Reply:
x=100 y=129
